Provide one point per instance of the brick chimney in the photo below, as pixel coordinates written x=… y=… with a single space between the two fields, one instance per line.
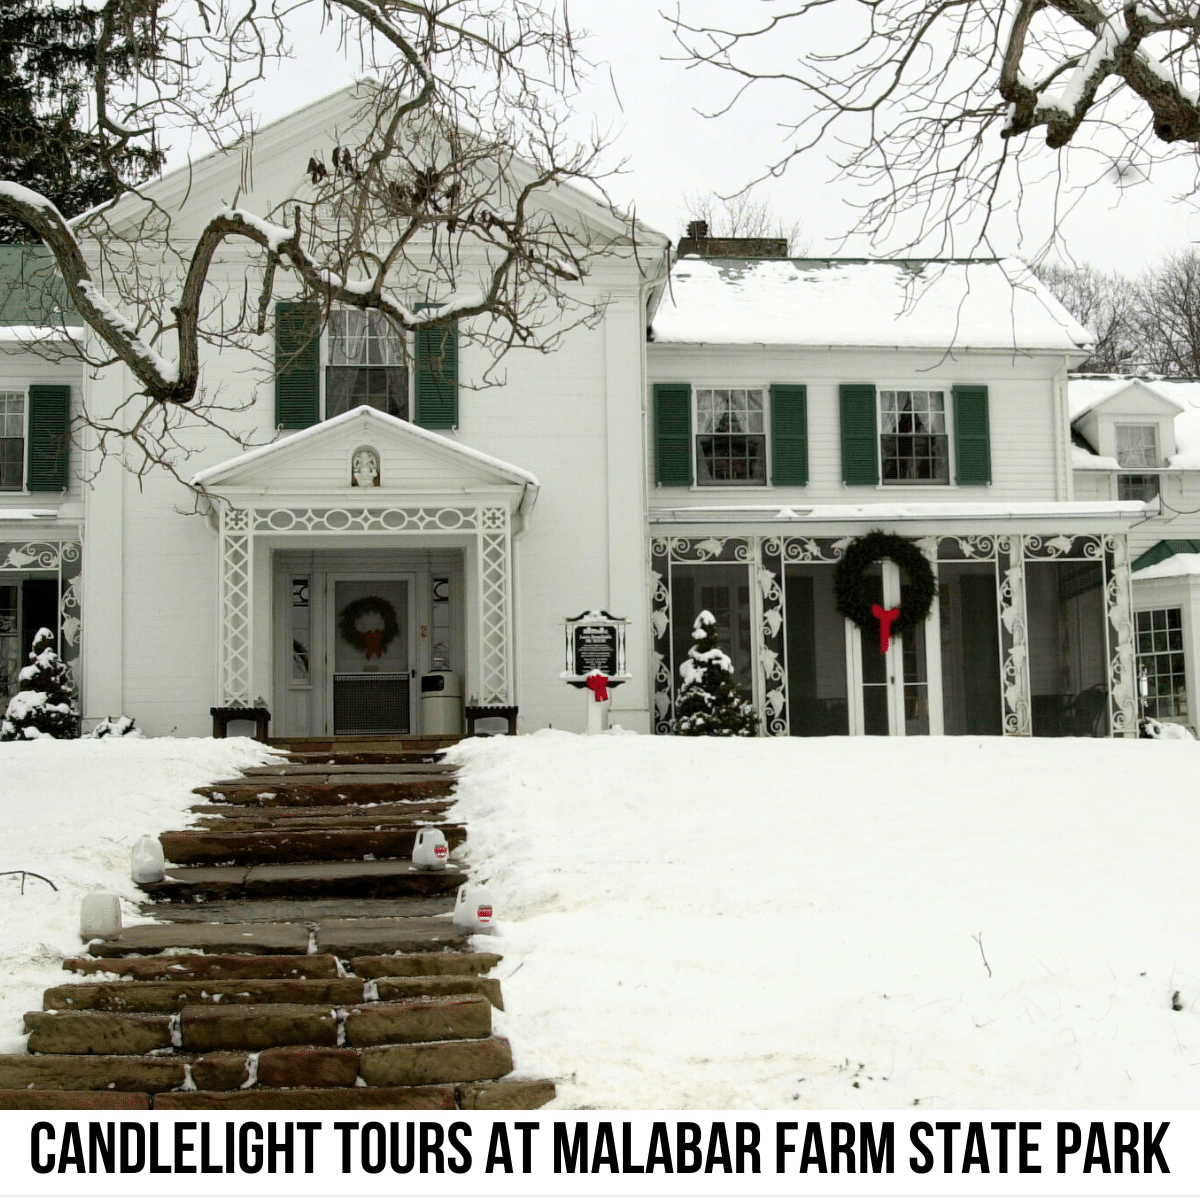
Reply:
x=698 y=242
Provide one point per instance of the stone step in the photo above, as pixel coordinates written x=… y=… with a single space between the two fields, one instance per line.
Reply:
x=199 y=1028
x=314 y=1098
x=79 y=1100
x=214 y=966
x=393 y=966
x=348 y=908
x=291 y=794
x=435 y=1062
x=298 y=880
x=194 y=846
x=96 y=1072
x=506 y=1093
x=408 y=810
x=256 y=820
x=343 y=758
x=383 y=772
x=366 y=743
x=161 y=996
x=345 y=938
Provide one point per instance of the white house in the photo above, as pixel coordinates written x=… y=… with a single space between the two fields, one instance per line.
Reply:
x=716 y=440
x=1139 y=438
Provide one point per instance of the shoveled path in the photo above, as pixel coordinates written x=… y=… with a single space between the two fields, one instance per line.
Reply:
x=301 y=962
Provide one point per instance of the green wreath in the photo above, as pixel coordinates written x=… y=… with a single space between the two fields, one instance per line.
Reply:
x=348 y=622
x=852 y=595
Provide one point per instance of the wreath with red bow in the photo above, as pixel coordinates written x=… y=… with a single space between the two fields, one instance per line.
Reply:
x=853 y=596
x=373 y=641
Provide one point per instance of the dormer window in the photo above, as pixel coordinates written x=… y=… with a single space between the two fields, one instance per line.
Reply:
x=366 y=364
x=1137 y=446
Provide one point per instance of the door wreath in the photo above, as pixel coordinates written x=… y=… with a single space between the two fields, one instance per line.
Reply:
x=374 y=641
x=853 y=597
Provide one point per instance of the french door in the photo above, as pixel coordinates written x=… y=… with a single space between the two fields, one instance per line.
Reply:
x=891 y=694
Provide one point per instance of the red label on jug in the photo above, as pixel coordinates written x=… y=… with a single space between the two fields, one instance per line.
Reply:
x=484 y=912
x=440 y=851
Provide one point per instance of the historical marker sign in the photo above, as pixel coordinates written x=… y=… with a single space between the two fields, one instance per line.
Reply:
x=595 y=642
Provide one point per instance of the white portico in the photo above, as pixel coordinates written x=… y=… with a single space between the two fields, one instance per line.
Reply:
x=356 y=555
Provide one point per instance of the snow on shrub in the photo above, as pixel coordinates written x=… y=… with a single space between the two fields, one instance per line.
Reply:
x=710 y=702
x=1165 y=730
x=118 y=727
x=46 y=704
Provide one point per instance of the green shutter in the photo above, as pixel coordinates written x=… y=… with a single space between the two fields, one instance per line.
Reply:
x=435 y=376
x=972 y=440
x=673 y=434
x=789 y=434
x=860 y=435
x=297 y=364
x=49 y=437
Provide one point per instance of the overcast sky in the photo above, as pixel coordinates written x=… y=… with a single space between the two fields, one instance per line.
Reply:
x=672 y=150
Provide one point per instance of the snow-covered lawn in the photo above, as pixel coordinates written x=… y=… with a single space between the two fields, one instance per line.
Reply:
x=703 y=923
x=72 y=812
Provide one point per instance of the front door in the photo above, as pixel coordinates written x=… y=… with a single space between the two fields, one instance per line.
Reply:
x=370 y=628
x=893 y=693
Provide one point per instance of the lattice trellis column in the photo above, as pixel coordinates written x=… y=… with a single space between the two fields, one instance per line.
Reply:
x=1122 y=673
x=772 y=655
x=237 y=559
x=495 y=607
x=1014 y=637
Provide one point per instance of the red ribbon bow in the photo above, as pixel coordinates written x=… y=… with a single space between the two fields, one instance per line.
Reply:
x=373 y=641
x=885 y=617
x=598 y=684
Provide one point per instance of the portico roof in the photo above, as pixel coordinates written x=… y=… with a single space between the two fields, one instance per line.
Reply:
x=413 y=462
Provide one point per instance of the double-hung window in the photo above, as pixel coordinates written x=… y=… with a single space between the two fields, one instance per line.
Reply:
x=731 y=439
x=1162 y=677
x=914 y=444
x=1137 y=446
x=367 y=364
x=12 y=441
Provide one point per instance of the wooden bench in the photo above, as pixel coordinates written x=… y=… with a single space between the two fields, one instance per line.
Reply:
x=478 y=712
x=222 y=716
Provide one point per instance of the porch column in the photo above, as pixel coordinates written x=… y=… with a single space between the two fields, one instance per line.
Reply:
x=770 y=653
x=1122 y=670
x=1014 y=637
x=234 y=618
x=495 y=607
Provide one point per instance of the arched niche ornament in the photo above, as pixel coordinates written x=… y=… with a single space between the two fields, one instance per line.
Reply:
x=365 y=468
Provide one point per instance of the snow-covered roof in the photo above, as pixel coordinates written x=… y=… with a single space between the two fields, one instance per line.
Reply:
x=993 y=304
x=1085 y=394
x=1171 y=568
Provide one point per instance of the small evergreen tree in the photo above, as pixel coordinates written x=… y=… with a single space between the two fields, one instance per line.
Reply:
x=45 y=705
x=710 y=702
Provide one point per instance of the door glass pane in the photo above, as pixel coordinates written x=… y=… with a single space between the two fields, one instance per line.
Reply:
x=1065 y=604
x=970 y=648
x=916 y=680
x=724 y=590
x=874 y=664
x=816 y=653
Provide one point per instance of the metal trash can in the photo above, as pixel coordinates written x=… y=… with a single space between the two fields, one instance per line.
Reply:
x=441 y=703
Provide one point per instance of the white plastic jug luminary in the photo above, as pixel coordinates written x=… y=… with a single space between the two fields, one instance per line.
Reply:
x=146 y=861
x=99 y=915
x=430 y=850
x=474 y=911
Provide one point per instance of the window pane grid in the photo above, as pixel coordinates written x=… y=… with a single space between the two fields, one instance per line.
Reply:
x=731 y=444
x=914 y=445
x=1160 y=661
x=12 y=441
x=1137 y=445
x=359 y=339
x=1137 y=487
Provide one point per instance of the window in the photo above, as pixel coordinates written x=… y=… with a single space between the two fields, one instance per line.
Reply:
x=731 y=441
x=913 y=442
x=367 y=364
x=1137 y=445
x=1137 y=487
x=12 y=441
x=1161 y=680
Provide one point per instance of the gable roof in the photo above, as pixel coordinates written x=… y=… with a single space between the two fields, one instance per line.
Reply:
x=992 y=304
x=448 y=462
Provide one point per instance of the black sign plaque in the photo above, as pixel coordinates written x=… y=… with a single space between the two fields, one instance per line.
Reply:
x=595 y=649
